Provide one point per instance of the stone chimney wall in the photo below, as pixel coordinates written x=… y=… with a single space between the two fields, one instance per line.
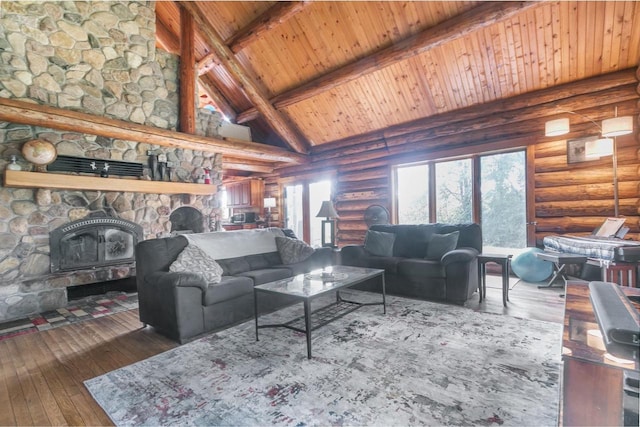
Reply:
x=99 y=58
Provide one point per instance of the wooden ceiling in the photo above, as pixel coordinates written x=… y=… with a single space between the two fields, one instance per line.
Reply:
x=313 y=73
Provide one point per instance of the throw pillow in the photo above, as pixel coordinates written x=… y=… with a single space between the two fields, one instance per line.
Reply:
x=379 y=243
x=293 y=250
x=440 y=244
x=192 y=259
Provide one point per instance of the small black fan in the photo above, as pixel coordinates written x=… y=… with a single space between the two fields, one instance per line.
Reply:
x=376 y=214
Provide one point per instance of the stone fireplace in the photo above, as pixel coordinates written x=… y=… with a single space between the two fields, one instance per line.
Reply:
x=93 y=243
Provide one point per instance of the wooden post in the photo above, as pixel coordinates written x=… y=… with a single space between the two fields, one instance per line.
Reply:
x=187 y=74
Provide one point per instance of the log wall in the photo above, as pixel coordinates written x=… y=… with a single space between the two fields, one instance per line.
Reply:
x=567 y=198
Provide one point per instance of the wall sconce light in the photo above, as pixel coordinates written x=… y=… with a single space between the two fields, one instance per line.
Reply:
x=556 y=127
x=329 y=224
x=605 y=146
x=269 y=202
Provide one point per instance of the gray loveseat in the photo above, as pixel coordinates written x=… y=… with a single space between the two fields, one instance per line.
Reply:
x=453 y=277
x=182 y=305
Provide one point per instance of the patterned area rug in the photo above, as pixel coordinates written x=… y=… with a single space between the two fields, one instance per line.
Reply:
x=420 y=364
x=78 y=310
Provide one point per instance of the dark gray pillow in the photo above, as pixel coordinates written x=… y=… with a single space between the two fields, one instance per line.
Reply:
x=293 y=250
x=379 y=243
x=440 y=244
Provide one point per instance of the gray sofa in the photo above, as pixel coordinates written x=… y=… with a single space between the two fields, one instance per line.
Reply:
x=182 y=305
x=451 y=278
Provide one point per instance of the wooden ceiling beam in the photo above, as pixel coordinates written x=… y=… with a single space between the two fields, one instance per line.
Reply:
x=276 y=120
x=217 y=97
x=473 y=20
x=15 y=111
x=276 y=15
x=238 y=164
x=166 y=39
x=187 y=114
x=209 y=61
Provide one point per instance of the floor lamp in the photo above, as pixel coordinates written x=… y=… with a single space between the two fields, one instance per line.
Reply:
x=610 y=129
x=329 y=224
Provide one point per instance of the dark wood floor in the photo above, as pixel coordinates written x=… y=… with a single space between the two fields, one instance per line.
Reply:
x=42 y=374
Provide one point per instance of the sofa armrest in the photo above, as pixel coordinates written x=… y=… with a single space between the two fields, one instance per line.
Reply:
x=350 y=254
x=459 y=255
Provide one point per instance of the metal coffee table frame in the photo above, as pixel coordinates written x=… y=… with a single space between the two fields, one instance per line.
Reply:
x=307 y=290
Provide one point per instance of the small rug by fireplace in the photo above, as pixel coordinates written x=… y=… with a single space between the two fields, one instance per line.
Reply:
x=420 y=364
x=78 y=310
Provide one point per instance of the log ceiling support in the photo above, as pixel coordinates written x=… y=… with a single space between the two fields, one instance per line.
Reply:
x=276 y=120
x=187 y=117
x=165 y=39
x=274 y=16
x=218 y=99
x=15 y=111
x=471 y=21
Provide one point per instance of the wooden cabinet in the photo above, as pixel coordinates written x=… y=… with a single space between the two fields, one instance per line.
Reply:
x=245 y=194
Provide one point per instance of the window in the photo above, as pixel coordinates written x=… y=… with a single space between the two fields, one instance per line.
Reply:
x=444 y=192
x=302 y=203
x=413 y=194
x=454 y=195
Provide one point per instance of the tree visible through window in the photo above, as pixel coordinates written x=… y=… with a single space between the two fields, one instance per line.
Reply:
x=454 y=192
x=413 y=194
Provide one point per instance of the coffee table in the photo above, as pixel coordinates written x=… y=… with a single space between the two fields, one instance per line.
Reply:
x=306 y=287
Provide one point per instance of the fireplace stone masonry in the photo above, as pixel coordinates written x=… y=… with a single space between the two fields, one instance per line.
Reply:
x=99 y=58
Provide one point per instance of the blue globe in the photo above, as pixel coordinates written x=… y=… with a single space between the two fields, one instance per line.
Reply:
x=530 y=268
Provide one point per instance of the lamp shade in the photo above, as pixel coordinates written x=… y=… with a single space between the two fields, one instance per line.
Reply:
x=327 y=210
x=617 y=126
x=597 y=148
x=269 y=202
x=556 y=127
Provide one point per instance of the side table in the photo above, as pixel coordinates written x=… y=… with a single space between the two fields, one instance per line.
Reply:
x=503 y=261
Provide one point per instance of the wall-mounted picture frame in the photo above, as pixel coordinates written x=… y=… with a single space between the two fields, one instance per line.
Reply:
x=576 y=149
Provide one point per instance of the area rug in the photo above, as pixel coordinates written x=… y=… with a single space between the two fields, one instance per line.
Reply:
x=78 y=310
x=420 y=364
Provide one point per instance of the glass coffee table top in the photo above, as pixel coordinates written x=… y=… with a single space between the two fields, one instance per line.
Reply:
x=320 y=281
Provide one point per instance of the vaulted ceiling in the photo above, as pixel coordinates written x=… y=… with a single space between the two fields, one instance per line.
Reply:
x=307 y=74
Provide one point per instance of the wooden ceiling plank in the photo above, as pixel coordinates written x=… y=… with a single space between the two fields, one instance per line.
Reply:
x=556 y=43
x=590 y=40
x=548 y=95
x=166 y=39
x=218 y=99
x=237 y=71
x=466 y=23
x=512 y=52
x=545 y=45
x=187 y=112
x=16 y=111
x=581 y=51
x=534 y=56
x=617 y=36
x=276 y=15
x=565 y=41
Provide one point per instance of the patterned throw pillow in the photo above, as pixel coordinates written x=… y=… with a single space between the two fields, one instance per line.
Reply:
x=293 y=250
x=440 y=244
x=192 y=259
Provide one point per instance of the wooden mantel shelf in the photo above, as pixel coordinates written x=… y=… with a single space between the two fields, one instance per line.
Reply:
x=22 y=179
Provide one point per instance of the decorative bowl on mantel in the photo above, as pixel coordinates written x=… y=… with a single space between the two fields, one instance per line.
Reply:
x=40 y=153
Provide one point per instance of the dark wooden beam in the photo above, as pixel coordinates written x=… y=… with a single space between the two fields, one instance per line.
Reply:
x=457 y=27
x=15 y=111
x=217 y=97
x=273 y=17
x=276 y=120
x=187 y=117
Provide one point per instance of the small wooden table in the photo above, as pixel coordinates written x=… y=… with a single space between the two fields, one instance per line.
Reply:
x=501 y=260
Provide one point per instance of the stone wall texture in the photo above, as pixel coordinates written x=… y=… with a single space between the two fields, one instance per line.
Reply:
x=97 y=57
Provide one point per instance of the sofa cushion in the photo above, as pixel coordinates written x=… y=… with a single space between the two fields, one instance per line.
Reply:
x=266 y=275
x=192 y=259
x=234 y=266
x=388 y=263
x=420 y=268
x=293 y=250
x=440 y=244
x=411 y=239
x=379 y=243
x=230 y=287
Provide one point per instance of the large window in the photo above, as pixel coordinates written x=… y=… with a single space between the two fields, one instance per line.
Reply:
x=413 y=194
x=444 y=192
x=454 y=193
x=302 y=203
x=503 y=201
